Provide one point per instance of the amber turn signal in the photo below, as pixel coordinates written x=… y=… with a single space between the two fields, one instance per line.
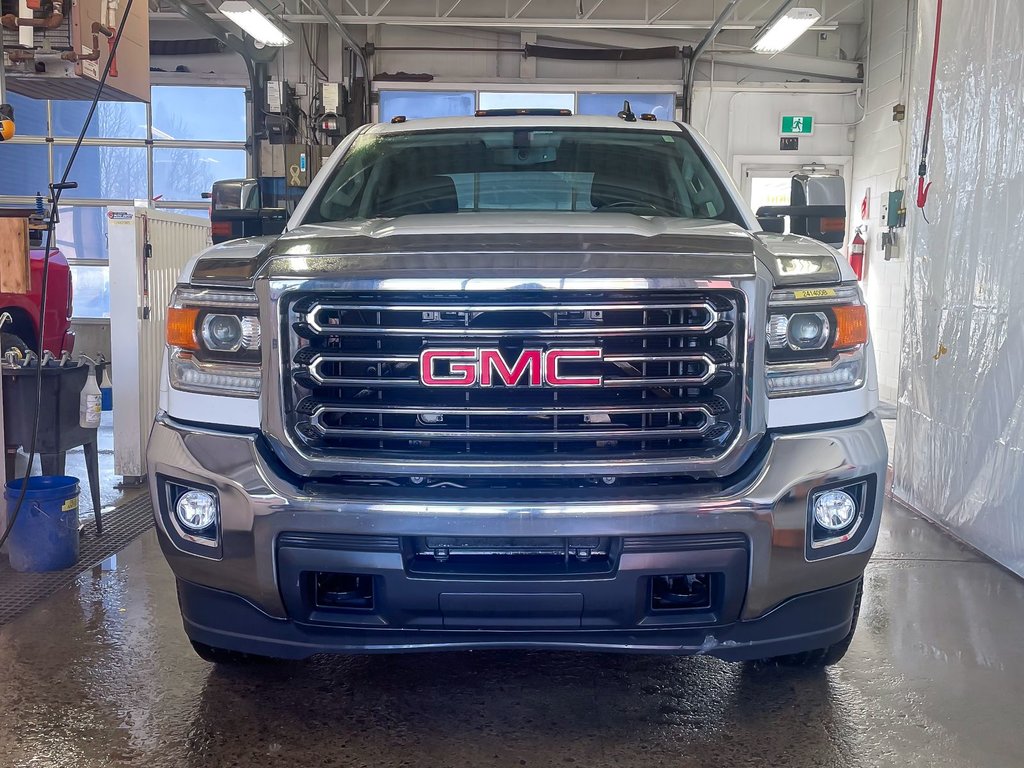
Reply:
x=851 y=326
x=181 y=327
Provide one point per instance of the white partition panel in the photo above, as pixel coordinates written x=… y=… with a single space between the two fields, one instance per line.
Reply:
x=148 y=249
x=960 y=430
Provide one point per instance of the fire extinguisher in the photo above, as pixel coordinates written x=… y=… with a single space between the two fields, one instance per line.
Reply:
x=857 y=254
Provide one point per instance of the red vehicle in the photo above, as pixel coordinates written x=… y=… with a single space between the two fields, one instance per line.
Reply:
x=23 y=330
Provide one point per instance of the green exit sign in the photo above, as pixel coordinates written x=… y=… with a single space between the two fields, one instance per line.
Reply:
x=797 y=125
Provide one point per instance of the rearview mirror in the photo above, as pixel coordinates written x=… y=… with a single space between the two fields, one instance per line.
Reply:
x=236 y=211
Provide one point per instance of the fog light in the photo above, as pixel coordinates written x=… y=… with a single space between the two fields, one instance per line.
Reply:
x=834 y=510
x=196 y=510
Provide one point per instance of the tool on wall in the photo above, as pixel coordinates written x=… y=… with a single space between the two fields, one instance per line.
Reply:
x=922 y=170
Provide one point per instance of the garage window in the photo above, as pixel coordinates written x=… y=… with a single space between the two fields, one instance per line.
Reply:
x=419 y=104
x=170 y=152
x=661 y=105
x=113 y=119
x=511 y=100
x=91 y=296
x=183 y=173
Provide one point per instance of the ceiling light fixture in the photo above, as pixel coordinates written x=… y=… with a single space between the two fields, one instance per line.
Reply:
x=784 y=31
x=255 y=23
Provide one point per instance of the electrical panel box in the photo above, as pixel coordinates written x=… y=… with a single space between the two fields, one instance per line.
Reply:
x=280 y=97
x=895 y=212
x=331 y=97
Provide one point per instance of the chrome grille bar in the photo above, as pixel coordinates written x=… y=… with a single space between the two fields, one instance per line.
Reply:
x=493 y=333
x=416 y=410
x=669 y=374
x=316 y=364
x=515 y=435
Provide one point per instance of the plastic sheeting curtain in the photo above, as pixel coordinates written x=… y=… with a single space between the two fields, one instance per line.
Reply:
x=960 y=433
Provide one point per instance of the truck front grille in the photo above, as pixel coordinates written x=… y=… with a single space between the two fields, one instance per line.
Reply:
x=665 y=377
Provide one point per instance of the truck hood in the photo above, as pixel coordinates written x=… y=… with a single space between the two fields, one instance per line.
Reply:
x=501 y=245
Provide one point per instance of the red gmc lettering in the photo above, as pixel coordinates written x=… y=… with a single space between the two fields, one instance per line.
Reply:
x=462 y=374
x=491 y=359
x=556 y=379
x=487 y=367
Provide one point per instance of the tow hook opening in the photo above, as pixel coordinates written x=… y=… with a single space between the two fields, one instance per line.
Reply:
x=682 y=591
x=343 y=590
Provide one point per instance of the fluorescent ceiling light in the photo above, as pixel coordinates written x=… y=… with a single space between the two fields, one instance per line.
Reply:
x=784 y=31
x=255 y=23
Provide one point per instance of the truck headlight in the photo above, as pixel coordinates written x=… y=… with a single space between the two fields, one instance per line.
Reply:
x=213 y=342
x=816 y=340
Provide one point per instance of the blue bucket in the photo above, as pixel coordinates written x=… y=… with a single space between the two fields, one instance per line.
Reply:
x=45 y=535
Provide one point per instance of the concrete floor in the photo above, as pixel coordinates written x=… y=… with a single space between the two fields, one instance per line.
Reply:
x=101 y=674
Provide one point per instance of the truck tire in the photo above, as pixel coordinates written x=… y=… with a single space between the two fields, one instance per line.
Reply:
x=823 y=657
x=223 y=656
x=8 y=340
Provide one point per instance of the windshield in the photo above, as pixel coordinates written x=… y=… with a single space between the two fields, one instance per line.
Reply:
x=646 y=173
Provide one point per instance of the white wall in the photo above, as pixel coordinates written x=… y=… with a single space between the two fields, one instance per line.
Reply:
x=879 y=167
x=744 y=119
x=92 y=337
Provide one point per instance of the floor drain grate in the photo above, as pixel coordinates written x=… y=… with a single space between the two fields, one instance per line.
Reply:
x=121 y=526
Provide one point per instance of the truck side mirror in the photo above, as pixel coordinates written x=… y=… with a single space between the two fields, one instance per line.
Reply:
x=236 y=211
x=817 y=209
x=776 y=226
x=826 y=223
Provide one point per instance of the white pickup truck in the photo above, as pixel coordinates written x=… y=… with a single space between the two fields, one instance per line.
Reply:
x=514 y=381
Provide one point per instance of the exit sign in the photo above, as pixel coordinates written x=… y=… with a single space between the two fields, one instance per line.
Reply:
x=797 y=125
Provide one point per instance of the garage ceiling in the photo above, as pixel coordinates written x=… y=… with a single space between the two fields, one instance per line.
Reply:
x=539 y=14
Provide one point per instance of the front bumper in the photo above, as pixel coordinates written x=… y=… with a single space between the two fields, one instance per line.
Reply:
x=252 y=593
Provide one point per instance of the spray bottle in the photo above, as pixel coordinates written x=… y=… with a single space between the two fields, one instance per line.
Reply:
x=106 y=388
x=90 y=402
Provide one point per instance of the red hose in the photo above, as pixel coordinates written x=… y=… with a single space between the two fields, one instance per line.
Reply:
x=922 y=171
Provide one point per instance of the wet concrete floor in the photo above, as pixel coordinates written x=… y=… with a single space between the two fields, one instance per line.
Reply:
x=101 y=674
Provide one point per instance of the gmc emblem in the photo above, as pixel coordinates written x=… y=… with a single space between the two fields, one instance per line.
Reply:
x=487 y=368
